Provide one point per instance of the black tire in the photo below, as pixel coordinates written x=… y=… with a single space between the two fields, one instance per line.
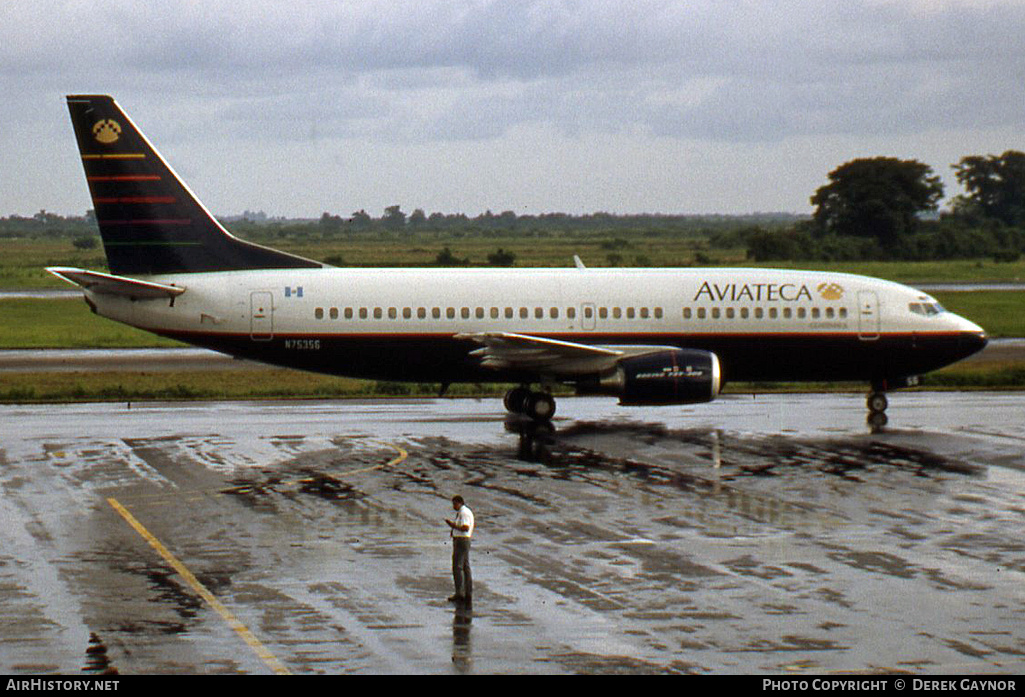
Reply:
x=877 y=420
x=877 y=402
x=515 y=400
x=540 y=406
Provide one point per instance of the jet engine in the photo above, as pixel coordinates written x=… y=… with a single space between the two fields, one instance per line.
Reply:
x=684 y=376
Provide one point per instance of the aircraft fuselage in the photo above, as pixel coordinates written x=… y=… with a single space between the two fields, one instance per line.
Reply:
x=402 y=324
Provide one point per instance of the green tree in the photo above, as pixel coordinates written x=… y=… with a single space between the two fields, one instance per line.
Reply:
x=995 y=186
x=502 y=258
x=879 y=197
x=361 y=220
x=417 y=219
x=84 y=242
x=394 y=218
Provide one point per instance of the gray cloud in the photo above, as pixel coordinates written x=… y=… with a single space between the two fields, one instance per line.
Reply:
x=431 y=72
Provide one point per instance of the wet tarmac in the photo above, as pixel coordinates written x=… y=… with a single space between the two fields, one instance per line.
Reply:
x=768 y=534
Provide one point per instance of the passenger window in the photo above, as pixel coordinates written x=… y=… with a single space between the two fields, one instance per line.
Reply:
x=392 y=313
x=830 y=313
x=658 y=313
x=494 y=313
x=508 y=313
x=701 y=313
x=729 y=313
x=363 y=313
x=436 y=312
x=801 y=312
x=334 y=313
x=815 y=313
x=539 y=313
x=617 y=313
x=843 y=313
x=588 y=312
x=348 y=313
x=421 y=313
x=686 y=313
x=407 y=313
x=773 y=313
x=480 y=313
x=450 y=312
x=644 y=313
x=554 y=313
x=465 y=313
x=715 y=313
x=523 y=313
x=786 y=313
x=629 y=313
x=603 y=312
x=743 y=313
x=319 y=313
x=377 y=313
x=571 y=312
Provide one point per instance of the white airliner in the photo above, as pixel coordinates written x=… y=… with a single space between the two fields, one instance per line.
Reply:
x=648 y=336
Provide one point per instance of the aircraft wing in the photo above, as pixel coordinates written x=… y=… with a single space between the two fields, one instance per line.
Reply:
x=509 y=351
x=109 y=284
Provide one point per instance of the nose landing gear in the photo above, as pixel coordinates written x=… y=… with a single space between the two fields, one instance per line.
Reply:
x=877 y=404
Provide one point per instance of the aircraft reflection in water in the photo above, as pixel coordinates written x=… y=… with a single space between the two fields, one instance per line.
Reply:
x=646 y=336
x=710 y=461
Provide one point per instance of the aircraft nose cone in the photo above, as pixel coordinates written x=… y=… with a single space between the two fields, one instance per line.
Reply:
x=973 y=341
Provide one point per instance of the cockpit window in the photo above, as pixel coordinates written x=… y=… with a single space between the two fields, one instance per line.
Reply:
x=927 y=309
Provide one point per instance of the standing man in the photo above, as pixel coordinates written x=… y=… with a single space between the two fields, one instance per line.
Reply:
x=461 y=531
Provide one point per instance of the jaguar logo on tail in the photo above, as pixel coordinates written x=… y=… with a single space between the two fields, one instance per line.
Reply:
x=107 y=131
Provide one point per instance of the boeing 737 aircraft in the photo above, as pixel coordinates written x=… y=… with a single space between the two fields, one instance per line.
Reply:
x=647 y=336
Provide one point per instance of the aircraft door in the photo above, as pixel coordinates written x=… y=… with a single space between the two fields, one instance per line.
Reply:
x=261 y=315
x=868 y=315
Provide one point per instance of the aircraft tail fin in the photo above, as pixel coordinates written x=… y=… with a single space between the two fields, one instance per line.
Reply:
x=149 y=220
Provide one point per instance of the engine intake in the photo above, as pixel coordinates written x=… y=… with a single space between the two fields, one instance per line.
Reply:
x=685 y=376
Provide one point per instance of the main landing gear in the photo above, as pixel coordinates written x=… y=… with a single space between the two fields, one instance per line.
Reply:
x=539 y=406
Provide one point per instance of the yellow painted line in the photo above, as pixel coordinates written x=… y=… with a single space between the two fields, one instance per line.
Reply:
x=117 y=156
x=394 y=461
x=247 y=636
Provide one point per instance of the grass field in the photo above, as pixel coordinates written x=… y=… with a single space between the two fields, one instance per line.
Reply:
x=22 y=261
x=66 y=323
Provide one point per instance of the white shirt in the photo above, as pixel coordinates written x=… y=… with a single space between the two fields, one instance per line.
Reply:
x=464 y=516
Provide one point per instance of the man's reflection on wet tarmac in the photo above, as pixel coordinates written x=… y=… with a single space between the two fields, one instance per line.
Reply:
x=462 y=644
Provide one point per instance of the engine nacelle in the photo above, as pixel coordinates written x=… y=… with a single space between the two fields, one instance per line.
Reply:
x=684 y=376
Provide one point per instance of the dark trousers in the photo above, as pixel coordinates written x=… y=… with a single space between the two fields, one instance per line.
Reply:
x=461 y=567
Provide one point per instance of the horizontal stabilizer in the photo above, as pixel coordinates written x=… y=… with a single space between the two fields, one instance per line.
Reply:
x=108 y=284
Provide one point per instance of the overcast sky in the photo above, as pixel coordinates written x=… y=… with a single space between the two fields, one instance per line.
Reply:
x=692 y=106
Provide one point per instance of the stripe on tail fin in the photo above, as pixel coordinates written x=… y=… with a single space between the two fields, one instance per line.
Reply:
x=149 y=220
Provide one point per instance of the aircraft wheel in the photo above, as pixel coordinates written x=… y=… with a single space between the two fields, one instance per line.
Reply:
x=540 y=406
x=877 y=402
x=515 y=400
x=877 y=420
